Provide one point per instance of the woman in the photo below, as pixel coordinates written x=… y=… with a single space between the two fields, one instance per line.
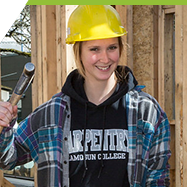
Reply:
x=101 y=129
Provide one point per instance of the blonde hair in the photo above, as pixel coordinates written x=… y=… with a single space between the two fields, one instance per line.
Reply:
x=77 y=47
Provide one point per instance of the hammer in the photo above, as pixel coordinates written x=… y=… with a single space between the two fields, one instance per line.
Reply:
x=23 y=83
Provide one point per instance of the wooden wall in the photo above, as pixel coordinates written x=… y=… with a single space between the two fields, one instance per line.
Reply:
x=166 y=77
x=153 y=60
x=52 y=57
x=143 y=47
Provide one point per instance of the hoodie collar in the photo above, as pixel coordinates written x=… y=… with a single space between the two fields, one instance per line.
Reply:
x=74 y=86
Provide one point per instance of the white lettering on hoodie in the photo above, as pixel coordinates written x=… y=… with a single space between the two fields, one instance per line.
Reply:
x=114 y=140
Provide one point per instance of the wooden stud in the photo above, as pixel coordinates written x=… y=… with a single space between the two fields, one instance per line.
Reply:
x=7 y=183
x=184 y=30
x=129 y=45
x=44 y=43
x=126 y=15
x=64 y=46
x=166 y=78
x=169 y=76
x=38 y=51
x=154 y=52
x=1 y=178
x=122 y=10
x=33 y=18
x=178 y=96
x=70 y=63
x=59 y=40
x=168 y=6
x=170 y=11
x=51 y=63
x=161 y=96
x=184 y=91
x=180 y=93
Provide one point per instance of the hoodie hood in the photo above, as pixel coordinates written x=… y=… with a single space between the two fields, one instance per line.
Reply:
x=73 y=86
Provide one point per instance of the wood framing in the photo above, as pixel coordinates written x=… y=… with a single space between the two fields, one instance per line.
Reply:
x=180 y=94
x=1 y=178
x=145 y=47
x=49 y=50
x=164 y=52
x=161 y=57
x=166 y=76
x=126 y=14
x=4 y=182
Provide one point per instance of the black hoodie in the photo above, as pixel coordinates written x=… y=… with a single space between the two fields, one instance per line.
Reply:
x=96 y=161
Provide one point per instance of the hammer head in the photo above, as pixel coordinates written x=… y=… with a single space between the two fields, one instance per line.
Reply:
x=25 y=79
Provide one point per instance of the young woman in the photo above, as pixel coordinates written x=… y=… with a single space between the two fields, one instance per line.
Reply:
x=101 y=129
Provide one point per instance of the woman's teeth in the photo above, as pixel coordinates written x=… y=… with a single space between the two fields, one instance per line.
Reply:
x=103 y=68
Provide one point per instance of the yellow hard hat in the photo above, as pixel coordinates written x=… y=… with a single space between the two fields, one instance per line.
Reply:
x=93 y=22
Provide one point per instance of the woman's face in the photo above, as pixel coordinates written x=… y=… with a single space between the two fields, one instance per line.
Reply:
x=100 y=58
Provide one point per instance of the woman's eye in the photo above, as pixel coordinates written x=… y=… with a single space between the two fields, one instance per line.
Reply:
x=112 y=47
x=94 y=49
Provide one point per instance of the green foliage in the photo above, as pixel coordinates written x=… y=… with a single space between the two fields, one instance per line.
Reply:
x=5 y=13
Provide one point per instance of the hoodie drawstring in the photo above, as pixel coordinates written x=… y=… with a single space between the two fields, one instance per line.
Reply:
x=102 y=145
x=84 y=152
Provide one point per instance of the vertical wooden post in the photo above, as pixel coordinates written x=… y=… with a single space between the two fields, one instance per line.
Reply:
x=60 y=45
x=166 y=77
x=1 y=178
x=154 y=51
x=51 y=61
x=129 y=44
x=126 y=15
x=35 y=36
x=122 y=10
x=43 y=34
x=161 y=95
x=69 y=48
x=180 y=94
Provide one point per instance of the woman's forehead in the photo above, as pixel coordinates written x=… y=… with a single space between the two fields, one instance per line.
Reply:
x=101 y=42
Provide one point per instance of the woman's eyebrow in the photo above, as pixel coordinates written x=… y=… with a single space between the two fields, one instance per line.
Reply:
x=100 y=46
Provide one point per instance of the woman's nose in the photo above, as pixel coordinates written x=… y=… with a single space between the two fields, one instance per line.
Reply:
x=104 y=57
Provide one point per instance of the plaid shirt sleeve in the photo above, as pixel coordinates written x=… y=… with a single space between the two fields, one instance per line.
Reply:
x=18 y=146
x=40 y=138
x=7 y=154
x=22 y=146
x=149 y=138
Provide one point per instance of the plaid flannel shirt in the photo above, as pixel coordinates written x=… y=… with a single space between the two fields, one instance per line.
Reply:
x=43 y=137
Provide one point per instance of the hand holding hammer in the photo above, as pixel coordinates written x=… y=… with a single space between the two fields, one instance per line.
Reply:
x=8 y=110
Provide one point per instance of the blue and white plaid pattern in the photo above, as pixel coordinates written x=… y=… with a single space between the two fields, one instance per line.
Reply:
x=43 y=137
